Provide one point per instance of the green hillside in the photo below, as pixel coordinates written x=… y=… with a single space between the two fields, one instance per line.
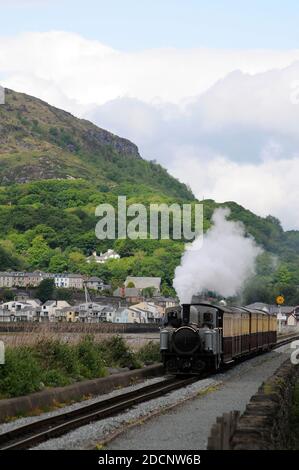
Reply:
x=55 y=169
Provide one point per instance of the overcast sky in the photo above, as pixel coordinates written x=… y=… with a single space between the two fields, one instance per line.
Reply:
x=209 y=89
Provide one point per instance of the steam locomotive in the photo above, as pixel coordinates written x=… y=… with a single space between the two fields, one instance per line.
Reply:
x=203 y=336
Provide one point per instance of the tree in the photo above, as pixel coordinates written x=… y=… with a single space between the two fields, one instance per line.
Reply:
x=6 y=295
x=58 y=263
x=39 y=253
x=45 y=290
x=62 y=294
x=283 y=275
x=76 y=261
x=258 y=289
x=130 y=284
x=8 y=260
x=148 y=292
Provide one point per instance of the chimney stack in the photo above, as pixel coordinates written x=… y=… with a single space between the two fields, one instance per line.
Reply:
x=186 y=314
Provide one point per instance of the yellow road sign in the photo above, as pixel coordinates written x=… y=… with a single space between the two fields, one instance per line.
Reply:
x=280 y=299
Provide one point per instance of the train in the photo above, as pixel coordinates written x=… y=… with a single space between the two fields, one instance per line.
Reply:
x=202 y=336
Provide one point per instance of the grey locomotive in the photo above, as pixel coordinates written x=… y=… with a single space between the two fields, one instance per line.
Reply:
x=202 y=336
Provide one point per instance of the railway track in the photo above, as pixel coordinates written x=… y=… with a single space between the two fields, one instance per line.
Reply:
x=287 y=340
x=30 y=435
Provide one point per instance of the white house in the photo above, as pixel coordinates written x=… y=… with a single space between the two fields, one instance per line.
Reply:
x=91 y=312
x=146 y=312
x=51 y=309
x=17 y=311
x=95 y=283
x=103 y=257
x=62 y=281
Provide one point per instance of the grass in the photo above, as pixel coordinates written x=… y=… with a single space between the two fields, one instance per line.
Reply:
x=55 y=363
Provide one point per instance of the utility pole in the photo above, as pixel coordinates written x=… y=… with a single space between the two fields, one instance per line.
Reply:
x=87 y=296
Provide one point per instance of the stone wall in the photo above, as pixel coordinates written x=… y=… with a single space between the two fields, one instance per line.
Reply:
x=265 y=423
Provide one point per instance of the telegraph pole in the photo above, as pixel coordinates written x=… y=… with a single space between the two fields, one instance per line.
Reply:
x=279 y=302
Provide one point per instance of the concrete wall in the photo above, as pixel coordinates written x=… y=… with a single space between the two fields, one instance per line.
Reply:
x=41 y=400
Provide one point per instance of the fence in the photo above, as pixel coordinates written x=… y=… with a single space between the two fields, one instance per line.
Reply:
x=223 y=431
x=79 y=327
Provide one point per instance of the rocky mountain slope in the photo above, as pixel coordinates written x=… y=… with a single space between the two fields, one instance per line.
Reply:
x=39 y=141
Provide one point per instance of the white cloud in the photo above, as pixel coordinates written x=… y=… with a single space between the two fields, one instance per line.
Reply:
x=269 y=187
x=223 y=121
x=91 y=72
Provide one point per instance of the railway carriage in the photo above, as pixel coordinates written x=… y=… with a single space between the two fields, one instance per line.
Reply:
x=202 y=336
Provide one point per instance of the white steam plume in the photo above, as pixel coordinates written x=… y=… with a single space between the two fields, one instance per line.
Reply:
x=222 y=263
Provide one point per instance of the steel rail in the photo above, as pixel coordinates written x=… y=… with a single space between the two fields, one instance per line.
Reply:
x=41 y=430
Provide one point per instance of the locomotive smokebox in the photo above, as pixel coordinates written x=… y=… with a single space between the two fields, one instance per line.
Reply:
x=186 y=314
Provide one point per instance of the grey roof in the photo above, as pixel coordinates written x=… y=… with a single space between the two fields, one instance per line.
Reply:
x=20 y=274
x=144 y=282
x=129 y=292
x=35 y=300
x=286 y=309
x=49 y=303
x=94 y=279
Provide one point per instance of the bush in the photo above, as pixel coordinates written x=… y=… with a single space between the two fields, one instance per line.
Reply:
x=55 y=378
x=149 y=353
x=54 y=354
x=52 y=363
x=118 y=354
x=91 y=363
x=21 y=374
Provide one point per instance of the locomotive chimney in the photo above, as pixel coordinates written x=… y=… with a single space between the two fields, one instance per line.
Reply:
x=186 y=314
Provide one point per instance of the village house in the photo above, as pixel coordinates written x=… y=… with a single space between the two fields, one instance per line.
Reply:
x=51 y=310
x=21 y=279
x=69 y=315
x=130 y=294
x=147 y=312
x=122 y=315
x=165 y=302
x=14 y=311
x=69 y=281
x=103 y=257
x=133 y=289
x=24 y=279
x=95 y=283
x=92 y=312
